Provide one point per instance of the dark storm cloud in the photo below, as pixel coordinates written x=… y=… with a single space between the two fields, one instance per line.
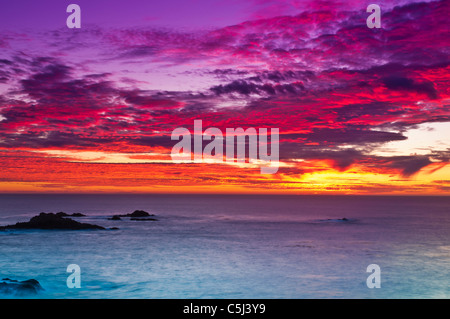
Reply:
x=246 y=88
x=406 y=84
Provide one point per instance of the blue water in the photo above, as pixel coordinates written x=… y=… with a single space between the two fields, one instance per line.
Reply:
x=231 y=246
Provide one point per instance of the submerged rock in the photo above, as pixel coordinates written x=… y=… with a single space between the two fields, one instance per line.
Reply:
x=115 y=217
x=15 y=287
x=337 y=220
x=51 y=221
x=151 y=219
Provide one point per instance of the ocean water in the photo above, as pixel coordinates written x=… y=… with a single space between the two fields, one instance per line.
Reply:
x=233 y=246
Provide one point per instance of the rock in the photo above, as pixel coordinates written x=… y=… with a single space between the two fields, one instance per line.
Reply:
x=152 y=219
x=78 y=215
x=51 y=221
x=62 y=214
x=15 y=287
x=139 y=213
x=338 y=220
x=136 y=213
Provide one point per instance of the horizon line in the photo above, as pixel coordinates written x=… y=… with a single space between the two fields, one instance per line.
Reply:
x=223 y=194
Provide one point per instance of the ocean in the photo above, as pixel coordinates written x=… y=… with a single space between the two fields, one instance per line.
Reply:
x=233 y=246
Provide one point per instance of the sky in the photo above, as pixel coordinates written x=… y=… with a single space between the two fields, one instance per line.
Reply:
x=359 y=110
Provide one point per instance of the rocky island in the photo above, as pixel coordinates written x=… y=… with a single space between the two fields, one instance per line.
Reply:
x=51 y=221
x=136 y=215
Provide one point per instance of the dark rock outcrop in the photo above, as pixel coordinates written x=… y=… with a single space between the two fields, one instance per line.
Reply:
x=51 y=221
x=20 y=288
x=62 y=214
x=138 y=213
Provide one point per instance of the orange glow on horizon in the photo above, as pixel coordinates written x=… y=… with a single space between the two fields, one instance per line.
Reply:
x=31 y=172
